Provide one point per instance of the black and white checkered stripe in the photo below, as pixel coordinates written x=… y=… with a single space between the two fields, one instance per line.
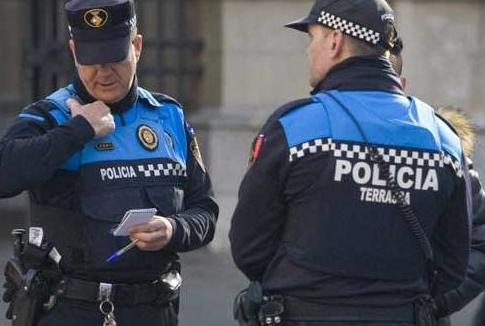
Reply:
x=311 y=147
x=167 y=169
x=390 y=155
x=349 y=28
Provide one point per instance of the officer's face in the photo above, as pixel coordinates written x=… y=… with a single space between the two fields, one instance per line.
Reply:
x=321 y=52
x=110 y=82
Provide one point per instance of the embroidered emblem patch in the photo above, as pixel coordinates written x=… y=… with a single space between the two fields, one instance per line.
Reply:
x=147 y=137
x=96 y=18
x=255 y=149
x=194 y=148
x=102 y=147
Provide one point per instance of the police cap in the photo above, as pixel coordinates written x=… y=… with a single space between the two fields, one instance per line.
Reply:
x=101 y=29
x=371 y=21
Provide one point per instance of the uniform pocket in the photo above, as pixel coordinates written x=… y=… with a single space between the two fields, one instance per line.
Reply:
x=110 y=206
x=168 y=200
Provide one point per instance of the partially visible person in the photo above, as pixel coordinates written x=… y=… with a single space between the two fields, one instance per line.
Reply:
x=474 y=283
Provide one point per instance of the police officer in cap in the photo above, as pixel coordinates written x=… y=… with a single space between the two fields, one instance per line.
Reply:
x=95 y=149
x=354 y=208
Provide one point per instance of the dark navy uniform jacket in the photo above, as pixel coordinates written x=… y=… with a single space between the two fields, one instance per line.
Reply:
x=150 y=160
x=474 y=283
x=315 y=219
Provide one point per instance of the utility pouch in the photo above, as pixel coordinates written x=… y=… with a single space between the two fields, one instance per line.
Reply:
x=247 y=305
x=271 y=310
x=169 y=286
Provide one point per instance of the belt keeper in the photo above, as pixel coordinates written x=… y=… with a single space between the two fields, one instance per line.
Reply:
x=105 y=291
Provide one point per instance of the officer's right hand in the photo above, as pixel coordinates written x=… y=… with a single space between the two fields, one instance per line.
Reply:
x=97 y=114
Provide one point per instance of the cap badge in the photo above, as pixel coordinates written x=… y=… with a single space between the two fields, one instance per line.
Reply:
x=96 y=18
x=147 y=137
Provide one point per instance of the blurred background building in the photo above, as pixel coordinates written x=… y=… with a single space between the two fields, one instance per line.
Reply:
x=231 y=64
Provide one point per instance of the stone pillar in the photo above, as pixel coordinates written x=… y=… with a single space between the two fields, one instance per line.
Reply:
x=260 y=66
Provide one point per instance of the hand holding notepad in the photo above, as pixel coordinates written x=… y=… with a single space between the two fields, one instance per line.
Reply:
x=134 y=217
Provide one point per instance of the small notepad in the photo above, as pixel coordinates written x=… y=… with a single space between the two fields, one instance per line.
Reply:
x=133 y=217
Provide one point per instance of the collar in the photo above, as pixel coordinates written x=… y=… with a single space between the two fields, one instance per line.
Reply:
x=368 y=73
x=120 y=106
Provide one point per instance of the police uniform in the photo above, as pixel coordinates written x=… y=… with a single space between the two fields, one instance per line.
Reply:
x=81 y=186
x=455 y=299
x=317 y=222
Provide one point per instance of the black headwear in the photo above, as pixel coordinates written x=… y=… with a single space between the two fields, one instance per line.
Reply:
x=371 y=21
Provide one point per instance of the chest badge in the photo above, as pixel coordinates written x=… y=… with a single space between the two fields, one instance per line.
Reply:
x=147 y=137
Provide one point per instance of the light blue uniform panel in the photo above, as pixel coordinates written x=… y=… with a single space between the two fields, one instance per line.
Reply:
x=306 y=123
x=387 y=119
x=165 y=119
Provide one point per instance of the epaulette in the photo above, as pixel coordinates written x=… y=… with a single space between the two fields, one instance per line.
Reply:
x=288 y=107
x=160 y=97
x=40 y=109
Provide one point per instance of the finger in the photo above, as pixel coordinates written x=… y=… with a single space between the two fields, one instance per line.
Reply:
x=152 y=226
x=73 y=104
x=148 y=246
x=150 y=237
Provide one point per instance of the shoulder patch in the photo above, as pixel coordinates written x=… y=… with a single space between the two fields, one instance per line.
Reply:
x=255 y=149
x=194 y=147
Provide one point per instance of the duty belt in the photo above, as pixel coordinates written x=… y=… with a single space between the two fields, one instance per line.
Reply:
x=297 y=309
x=122 y=294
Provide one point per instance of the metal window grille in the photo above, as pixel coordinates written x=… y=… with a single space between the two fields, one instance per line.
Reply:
x=171 y=53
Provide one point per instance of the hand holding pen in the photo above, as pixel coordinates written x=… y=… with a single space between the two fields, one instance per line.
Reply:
x=151 y=236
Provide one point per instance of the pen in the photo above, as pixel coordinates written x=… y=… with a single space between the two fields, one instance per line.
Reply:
x=120 y=252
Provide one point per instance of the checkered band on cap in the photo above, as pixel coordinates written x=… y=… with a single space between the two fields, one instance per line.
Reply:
x=389 y=155
x=349 y=28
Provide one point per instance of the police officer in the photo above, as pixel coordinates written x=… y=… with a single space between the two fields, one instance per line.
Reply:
x=93 y=150
x=354 y=208
x=474 y=283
